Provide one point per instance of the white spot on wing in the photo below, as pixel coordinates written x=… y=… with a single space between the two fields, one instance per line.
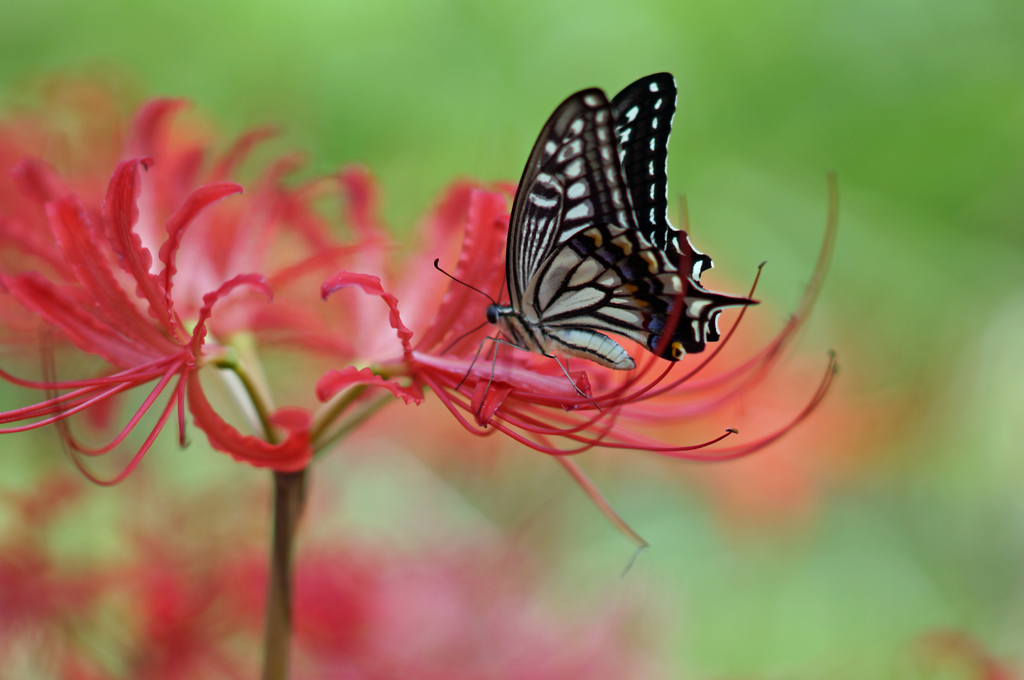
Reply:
x=569 y=233
x=570 y=150
x=592 y=100
x=602 y=116
x=654 y=123
x=650 y=168
x=574 y=169
x=652 y=143
x=581 y=211
x=654 y=87
x=631 y=114
x=696 y=308
x=577 y=190
x=657 y=104
x=576 y=127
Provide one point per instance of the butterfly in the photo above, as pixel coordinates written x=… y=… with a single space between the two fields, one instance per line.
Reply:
x=590 y=248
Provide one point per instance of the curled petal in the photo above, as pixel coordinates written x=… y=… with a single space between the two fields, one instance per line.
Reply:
x=450 y=213
x=121 y=212
x=88 y=262
x=481 y=262
x=371 y=286
x=291 y=455
x=58 y=306
x=197 y=201
x=363 y=209
x=149 y=124
x=334 y=381
x=238 y=152
x=257 y=281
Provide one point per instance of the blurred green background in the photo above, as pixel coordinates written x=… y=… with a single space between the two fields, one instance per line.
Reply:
x=918 y=526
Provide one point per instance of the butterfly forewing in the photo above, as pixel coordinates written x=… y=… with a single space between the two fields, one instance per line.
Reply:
x=571 y=180
x=590 y=247
x=643 y=114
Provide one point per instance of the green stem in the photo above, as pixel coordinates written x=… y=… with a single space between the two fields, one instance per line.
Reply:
x=326 y=441
x=289 y=500
x=259 y=404
x=334 y=408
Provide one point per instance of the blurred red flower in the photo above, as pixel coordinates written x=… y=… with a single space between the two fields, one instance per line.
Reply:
x=187 y=605
x=78 y=259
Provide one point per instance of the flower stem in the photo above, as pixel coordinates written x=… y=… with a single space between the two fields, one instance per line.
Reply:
x=289 y=500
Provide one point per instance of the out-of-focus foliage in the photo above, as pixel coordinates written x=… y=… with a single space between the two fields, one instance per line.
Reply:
x=844 y=550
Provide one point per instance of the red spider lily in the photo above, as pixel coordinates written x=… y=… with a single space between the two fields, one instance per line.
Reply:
x=528 y=397
x=80 y=261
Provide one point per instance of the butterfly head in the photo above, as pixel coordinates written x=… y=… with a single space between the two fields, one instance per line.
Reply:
x=493 y=312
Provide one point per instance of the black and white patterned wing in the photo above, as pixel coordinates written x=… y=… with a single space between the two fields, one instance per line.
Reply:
x=571 y=180
x=643 y=114
x=608 y=278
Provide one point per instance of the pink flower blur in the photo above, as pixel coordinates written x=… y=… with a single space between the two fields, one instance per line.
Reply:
x=78 y=258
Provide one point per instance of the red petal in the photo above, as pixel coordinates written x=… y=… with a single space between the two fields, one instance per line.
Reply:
x=449 y=215
x=37 y=181
x=293 y=454
x=197 y=201
x=363 y=205
x=234 y=156
x=59 y=307
x=523 y=379
x=150 y=123
x=88 y=262
x=335 y=381
x=371 y=286
x=121 y=212
x=487 y=399
x=480 y=265
x=210 y=299
x=28 y=239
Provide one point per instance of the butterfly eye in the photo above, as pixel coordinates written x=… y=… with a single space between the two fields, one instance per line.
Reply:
x=492 y=314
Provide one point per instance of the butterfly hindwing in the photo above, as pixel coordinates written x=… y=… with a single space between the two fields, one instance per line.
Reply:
x=611 y=279
x=572 y=179
x=643 y=114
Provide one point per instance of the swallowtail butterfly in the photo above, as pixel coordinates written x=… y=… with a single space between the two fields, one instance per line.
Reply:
x=590 y=247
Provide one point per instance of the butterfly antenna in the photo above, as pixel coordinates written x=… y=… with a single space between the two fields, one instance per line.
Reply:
x=438 y=268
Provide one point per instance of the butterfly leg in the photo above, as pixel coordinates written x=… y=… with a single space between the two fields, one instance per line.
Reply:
x=494 y=362
x=476 y=356
x=565 y=369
